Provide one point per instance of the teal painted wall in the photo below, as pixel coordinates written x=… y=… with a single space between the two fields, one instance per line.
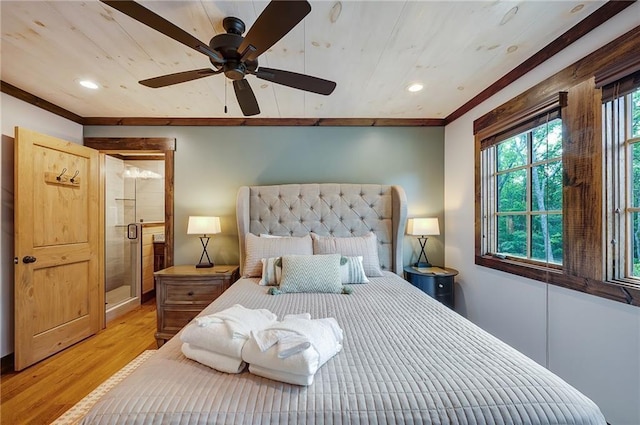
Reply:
x=212 y=162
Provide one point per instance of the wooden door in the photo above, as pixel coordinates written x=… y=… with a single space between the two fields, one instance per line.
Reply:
x=59 y=284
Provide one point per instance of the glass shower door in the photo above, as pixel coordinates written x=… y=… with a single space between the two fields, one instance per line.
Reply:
x=122 y=242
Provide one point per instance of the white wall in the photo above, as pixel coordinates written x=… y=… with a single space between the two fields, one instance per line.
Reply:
x=592 y=343
x=18 y=113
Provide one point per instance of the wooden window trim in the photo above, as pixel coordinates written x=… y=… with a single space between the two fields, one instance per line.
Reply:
x=512 y=122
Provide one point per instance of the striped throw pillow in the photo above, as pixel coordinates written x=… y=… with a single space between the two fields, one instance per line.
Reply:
x=271 y=271
x=351 y=270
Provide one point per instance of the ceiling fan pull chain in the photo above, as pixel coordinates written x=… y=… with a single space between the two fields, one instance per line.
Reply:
x=225 y=96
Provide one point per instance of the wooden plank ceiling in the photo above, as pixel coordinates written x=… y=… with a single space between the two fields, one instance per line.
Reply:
x=372 y=49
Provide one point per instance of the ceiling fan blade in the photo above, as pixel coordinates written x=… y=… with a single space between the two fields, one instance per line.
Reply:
x=178 y=77
x=275 y=21
x=158 y=23
x=246 y=98
x=297 y=81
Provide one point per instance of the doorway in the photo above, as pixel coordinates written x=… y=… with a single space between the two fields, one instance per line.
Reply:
x=134 y=227
x=138 y=194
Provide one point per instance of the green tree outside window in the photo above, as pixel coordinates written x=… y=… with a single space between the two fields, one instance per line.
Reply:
x=529 y=194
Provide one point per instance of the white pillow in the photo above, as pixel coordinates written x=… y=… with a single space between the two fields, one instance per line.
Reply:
x=365 y=246
x=311 y=273
x=257 y=248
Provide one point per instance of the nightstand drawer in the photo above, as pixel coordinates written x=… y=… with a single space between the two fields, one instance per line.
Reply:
x=443 y=287
x=183 y=291
x=200 y=294
x=174 y=320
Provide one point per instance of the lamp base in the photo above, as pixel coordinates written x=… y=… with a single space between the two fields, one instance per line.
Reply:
x=204 y=265
x=422 y=265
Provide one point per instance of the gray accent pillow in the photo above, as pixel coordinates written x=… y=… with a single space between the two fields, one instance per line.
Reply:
x=311 y=273
x=257 y=248
x=365 y=246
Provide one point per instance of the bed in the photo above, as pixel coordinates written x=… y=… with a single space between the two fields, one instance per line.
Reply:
x=406 y=358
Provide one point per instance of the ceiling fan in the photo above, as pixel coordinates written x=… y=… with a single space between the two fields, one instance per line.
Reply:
x=231 y=53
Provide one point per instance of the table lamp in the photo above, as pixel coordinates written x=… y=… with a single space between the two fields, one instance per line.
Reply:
x=423 y=227
x=204 y=226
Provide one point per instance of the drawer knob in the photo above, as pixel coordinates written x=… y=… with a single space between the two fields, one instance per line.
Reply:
x=440 y=285
x=190 y=293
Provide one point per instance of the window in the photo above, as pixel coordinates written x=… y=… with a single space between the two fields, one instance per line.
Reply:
x=520 y=177
x=621 y=134
x=523 y=186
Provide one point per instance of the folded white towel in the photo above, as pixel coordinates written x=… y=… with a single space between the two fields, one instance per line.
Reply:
x=297 y=316
x=214 y=360
x=278 y=375
x=240 y=320
x=216 y=337
x=292 y=344
x=306 y=346
x=226 y=332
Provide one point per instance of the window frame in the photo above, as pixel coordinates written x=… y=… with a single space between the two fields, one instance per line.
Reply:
x=490 y=174
x=487 y=136
x=617 y=122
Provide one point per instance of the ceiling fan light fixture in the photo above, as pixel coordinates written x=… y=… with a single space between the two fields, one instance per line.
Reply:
x=233 y=54
x=415 y=87
x=88 y=84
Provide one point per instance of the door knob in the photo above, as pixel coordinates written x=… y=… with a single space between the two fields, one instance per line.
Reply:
x=28 y=259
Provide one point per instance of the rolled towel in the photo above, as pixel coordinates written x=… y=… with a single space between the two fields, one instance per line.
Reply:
x=324 y=338
x=213 y=360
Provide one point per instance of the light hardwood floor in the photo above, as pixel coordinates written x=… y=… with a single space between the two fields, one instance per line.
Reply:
x=44 y=391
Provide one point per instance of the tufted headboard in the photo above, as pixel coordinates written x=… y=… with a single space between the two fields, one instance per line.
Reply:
x=328 y=209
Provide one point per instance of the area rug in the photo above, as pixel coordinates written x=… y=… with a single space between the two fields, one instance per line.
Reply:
x=77 y=412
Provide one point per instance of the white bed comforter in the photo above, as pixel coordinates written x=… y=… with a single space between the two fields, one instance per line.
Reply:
x=406 y=359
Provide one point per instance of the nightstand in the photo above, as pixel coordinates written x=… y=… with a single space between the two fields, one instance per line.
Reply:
x=439 y=284
x=183 y=291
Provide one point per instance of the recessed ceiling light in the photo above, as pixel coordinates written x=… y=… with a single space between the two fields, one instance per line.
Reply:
x=415 y=87
x=88 y=84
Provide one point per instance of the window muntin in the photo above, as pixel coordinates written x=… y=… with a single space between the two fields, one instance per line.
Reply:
x=633 y=211
x=522 y=198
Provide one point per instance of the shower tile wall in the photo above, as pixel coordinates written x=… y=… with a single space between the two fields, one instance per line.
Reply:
x=149 y=191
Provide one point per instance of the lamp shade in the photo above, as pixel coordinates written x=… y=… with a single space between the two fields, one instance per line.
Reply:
x=423 y=226
x=199 y=225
